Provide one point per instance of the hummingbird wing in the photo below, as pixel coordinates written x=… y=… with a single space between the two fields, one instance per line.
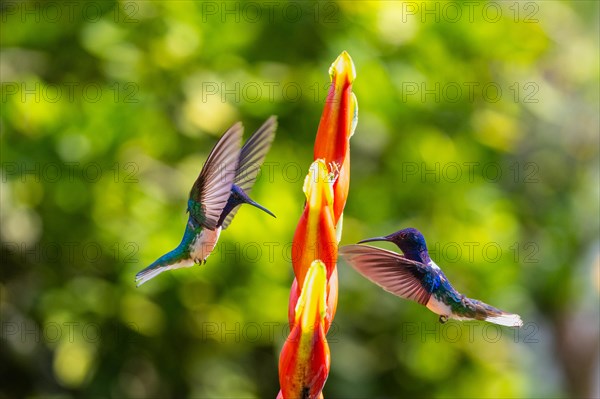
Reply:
x=389 y=270
x=212 y=188
x=251 y=158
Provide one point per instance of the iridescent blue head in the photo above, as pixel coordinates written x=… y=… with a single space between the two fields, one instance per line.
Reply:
x=410 y=241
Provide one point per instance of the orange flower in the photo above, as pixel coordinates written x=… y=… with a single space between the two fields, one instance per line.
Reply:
x=307 y=345
x=315 y=234
x=337 y=126
x=332 y=294
x=304 y=360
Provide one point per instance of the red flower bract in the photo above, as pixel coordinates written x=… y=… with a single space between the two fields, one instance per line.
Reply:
x=304 y=360
x=315 y=236
x=337 y=126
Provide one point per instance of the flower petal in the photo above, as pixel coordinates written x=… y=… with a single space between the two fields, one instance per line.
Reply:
x=337 y=125
x=304 y=361
x=315 y=236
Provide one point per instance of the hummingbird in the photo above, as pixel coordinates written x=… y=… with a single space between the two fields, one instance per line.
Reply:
x=223 y=185
x=415 y=276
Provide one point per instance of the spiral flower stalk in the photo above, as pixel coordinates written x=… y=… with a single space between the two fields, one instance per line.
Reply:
x=304 y=360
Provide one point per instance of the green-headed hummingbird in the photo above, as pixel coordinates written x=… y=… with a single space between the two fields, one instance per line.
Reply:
x=223 y=185
x=416 y=277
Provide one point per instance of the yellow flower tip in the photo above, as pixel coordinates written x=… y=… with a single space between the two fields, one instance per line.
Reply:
x=311 y=307
x=354 y=113
x=343 y=65
x=318 y=182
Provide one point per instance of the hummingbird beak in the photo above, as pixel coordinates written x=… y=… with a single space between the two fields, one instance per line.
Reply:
x=374 y=239
x=262 y=208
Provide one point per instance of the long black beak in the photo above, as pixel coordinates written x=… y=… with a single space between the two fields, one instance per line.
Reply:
x=262 y=208
x=374 y=239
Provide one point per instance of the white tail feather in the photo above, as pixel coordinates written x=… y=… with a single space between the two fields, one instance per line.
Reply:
x=149 y=274
x=507 y=319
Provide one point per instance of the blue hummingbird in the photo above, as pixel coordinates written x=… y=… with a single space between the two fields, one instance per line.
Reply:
x=416 y=277
x=223 y=185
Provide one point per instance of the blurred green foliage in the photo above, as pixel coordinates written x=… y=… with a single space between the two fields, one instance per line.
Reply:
x=478 y=124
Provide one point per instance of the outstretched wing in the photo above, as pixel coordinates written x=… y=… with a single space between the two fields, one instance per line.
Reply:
x=212 y=188
x=391 y=271
x=253 y=154
x=251 y=158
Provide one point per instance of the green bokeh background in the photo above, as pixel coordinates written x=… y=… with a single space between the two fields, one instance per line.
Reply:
x=478 y=124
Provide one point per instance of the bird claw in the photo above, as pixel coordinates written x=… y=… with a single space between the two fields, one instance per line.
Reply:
x=443 y=319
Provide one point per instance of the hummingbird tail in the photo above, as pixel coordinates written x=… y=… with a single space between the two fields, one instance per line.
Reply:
x=148 y=274
x=506 y=319
x=483 y=311
x=169 y=261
